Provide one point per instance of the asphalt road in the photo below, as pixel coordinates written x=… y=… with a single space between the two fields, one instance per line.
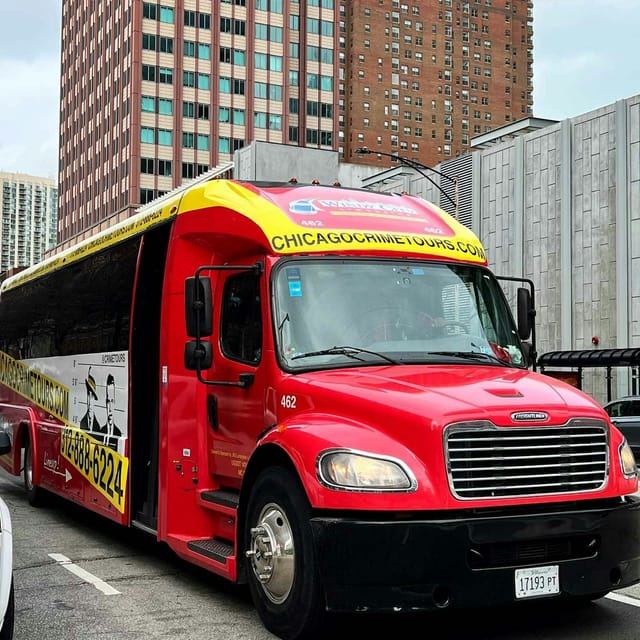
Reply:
x=146 y=592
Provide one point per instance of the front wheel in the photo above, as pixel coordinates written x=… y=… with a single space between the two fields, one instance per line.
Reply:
x=282 y=568
x=35 y=494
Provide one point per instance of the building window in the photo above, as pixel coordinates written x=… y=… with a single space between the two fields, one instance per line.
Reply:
x=147 y=135
x=260 y=60
x=238 y=116
x=165 y=107
x=164 y=167
x=189 y=49
x=188 y=78
x=165 y=75
x=166 y=14
x=165 y=137
x=148 y=104
x=146 y=195
x=149 y=72
x=149 y=11
x=188 y=109
x=188 y=140
x=147 y=165
x=166 y=44
x=148 y=42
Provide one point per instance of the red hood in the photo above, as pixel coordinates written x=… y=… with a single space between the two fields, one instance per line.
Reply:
x=444 y=394
x=401 y=411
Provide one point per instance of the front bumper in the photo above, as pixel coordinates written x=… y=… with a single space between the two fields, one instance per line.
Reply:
x=420 y=564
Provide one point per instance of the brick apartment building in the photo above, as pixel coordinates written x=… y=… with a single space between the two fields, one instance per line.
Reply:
x=155 y=93
x=422 y=78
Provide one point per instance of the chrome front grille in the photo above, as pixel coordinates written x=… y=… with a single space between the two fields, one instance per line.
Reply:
x=485 y=461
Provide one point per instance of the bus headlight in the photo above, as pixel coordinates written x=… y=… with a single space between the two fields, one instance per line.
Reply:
x=360 y=471
x=627 y=460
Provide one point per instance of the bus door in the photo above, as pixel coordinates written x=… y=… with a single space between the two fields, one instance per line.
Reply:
x=145 y=379
x=236 y=411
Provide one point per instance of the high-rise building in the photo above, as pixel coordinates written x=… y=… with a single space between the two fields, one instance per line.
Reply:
x=421 y=78
x=155 y=93
x=29 y=207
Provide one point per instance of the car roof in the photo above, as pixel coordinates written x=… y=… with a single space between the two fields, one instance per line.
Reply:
x=622 y=399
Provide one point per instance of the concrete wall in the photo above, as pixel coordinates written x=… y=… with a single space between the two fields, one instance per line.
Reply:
x=265 y=161
x=561 y=206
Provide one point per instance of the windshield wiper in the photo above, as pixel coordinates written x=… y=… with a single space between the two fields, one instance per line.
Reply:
x=471 y=355
x=350 y=352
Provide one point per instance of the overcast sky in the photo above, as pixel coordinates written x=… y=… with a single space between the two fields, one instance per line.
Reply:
x=585 y=57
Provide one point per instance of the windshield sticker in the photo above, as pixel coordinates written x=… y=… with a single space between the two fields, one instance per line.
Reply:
x=294 y=282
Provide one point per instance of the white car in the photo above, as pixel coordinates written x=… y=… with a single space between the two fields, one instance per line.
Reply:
x=6 y=560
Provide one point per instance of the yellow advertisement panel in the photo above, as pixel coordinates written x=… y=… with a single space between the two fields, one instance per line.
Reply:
x=88 y=394
x=313 y=219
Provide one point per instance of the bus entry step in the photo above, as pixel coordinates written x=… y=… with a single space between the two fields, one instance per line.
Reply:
x=217 y=550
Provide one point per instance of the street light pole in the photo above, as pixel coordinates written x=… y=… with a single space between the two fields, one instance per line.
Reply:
x=420 y=168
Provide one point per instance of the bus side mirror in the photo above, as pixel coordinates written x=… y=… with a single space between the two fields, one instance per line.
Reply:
x=198 y=308
x=525 y=312
x=5 y=443
x=198 y=355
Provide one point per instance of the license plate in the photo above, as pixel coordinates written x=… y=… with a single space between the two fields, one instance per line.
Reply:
x=537 y=581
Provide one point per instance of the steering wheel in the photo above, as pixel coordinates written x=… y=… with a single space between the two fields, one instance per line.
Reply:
x=392 y=324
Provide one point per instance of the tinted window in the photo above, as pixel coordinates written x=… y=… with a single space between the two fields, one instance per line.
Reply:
x=241 y=322
x=632 y=408
x=614 y=410
x=81 y=308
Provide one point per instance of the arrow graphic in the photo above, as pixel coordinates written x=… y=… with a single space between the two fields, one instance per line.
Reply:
x=66 y=475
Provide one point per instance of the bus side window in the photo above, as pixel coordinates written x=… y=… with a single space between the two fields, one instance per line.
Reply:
x=241 y=321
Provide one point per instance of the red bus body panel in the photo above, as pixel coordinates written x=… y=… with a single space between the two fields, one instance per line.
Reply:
x=213 y=439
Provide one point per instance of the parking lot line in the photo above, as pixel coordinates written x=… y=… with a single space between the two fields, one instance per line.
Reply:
x=618 y=597
x=99 y=584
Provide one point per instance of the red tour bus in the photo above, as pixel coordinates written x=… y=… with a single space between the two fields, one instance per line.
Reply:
x=320 y=392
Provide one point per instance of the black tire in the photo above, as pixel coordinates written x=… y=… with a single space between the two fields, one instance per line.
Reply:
x=591 y=597
x=289 y=597
x=35 y=495
x=582 y=601
x=6 y=633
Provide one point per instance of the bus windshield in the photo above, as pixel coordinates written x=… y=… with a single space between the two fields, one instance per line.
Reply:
x=349 y=312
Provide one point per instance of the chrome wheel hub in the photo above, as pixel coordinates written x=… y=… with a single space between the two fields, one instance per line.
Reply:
x=272 y=554
x=28 y=463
